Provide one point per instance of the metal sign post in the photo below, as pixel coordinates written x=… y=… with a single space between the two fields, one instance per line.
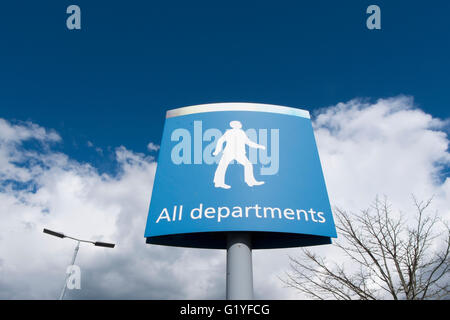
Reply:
x=239 y=266
x=240 y=177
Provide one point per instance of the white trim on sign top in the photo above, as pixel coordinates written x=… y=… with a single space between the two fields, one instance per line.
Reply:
x=236 y=106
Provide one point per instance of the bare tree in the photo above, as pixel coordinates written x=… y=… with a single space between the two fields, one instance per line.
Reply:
x=389 y=258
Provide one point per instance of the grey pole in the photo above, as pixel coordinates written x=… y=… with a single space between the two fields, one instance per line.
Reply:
x=239 y=266
x=63 y=292
x=62 y=235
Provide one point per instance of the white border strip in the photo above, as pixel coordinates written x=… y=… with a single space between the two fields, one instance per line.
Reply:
x=258 y=107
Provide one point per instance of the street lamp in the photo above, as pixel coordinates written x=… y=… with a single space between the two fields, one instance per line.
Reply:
x=62 y=235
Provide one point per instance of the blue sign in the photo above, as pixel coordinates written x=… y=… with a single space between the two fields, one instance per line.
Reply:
x=239 y=167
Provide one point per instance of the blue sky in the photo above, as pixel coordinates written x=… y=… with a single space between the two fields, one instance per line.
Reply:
x=111 y=82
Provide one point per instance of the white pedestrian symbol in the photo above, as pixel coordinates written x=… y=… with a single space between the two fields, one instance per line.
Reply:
x=235 y=139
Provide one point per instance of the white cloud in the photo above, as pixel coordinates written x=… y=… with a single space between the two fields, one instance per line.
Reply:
x=152 y=147
x=14 y=133
x=75 y=199
x=367 y=149
x=387 y=147
x=99 y=150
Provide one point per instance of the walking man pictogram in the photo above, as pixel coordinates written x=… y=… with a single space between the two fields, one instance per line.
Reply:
x=236 y=140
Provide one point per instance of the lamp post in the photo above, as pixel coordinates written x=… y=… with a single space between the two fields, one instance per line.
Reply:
x=95 y=243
